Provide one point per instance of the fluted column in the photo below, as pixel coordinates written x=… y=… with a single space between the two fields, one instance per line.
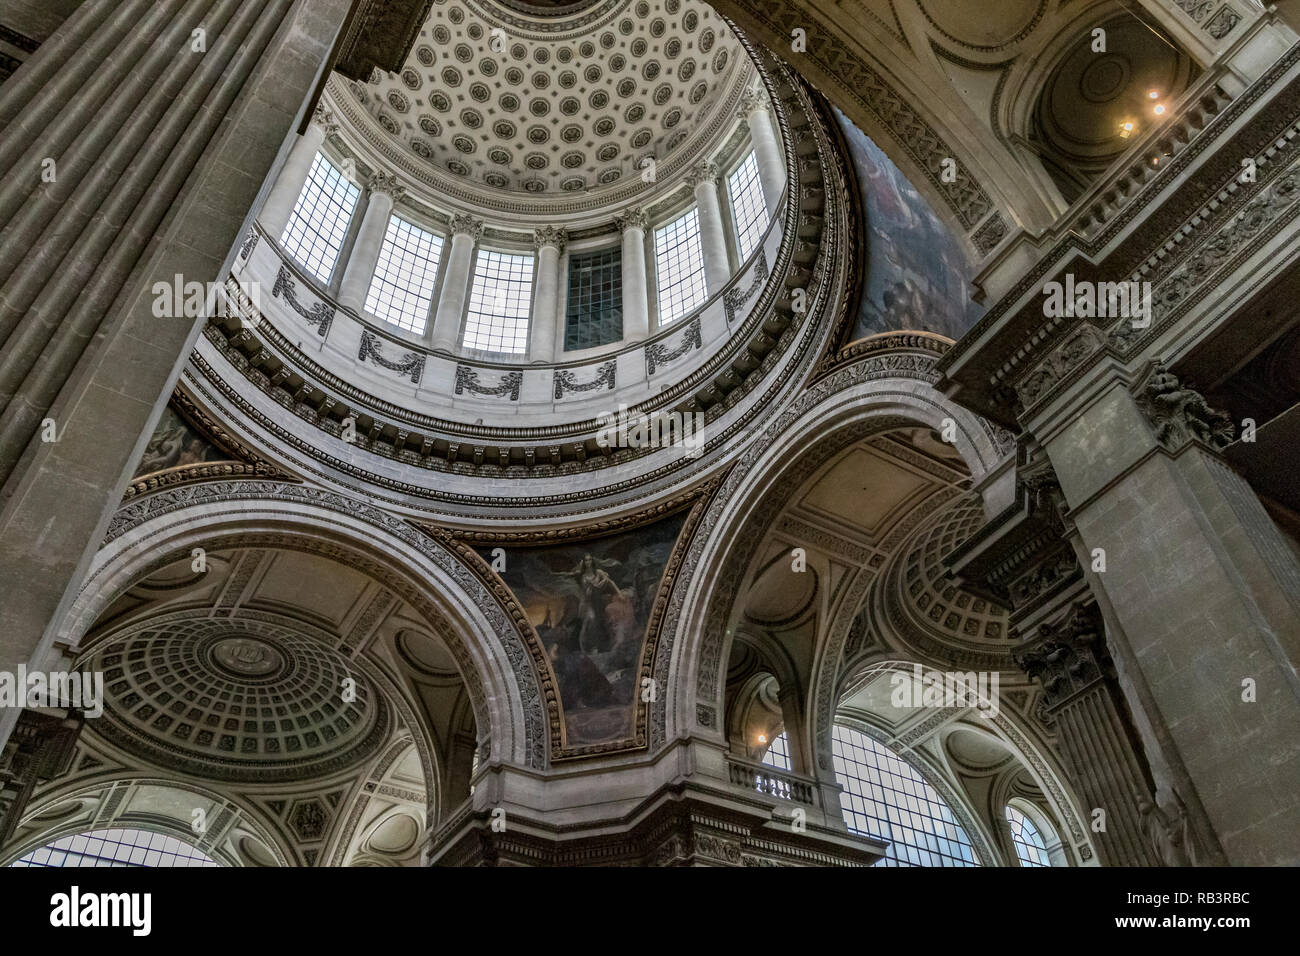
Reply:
x=158 y=151
x=541 y=329
x=767 y=146
x=293 y=175
x=636 y=308
x=465 y=232
x=384 y=192
x=41 y=748
x=1082 y=698
x=713 y=240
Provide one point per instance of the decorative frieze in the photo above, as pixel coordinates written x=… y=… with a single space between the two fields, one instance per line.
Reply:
x=321 y=315
x=736 y=298
x=508 y=385
x=658 y=354
x=411 y=364
x=566 y=381
x=1076 y=347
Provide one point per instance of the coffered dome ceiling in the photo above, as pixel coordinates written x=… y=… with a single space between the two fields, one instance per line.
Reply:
x=556 y=98
x=236 y=699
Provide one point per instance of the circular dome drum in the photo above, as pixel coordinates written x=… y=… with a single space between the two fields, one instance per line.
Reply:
x=438 y=314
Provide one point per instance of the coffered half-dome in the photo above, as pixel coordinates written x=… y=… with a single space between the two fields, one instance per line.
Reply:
x=598 y=100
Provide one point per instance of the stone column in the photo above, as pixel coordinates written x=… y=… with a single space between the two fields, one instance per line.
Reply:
x=384 y=192
x=713 y=239
x=541 y=331
x=561 y=305
x=767 y=146
x=1207 y=594
x=636 y=307
x=159 y=154
x=39 y=749
x=465 y=232
x=1064 y=640
x=1097 y=742
x=284 y=195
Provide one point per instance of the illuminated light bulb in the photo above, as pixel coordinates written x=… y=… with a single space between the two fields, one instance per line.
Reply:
x=762 y=738
x=1125 y=129
x=1160 y=108
x=1153 y=95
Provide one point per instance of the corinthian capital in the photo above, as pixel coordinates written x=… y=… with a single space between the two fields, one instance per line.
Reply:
x=388 y=184
x=325 y=120
x=751 y=100
x=1067 y=656
x=703 y=172
x=634 y=218
x=467 y=225
x=556 y=236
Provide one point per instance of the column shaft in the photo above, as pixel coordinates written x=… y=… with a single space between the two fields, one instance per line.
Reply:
x=561 y=306
x=288 y=185
x=361 y=263
x=541 y=329
x=154 y=185
x=713 y=240
x=767 y=153
x=636 y=307
x=455 y=285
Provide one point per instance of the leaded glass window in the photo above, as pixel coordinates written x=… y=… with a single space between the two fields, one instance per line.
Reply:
x=320 y=219
x=500 y=302
x=1030 y=848
x=594 y=314
x=886 y=797
x=116 y=848
x=748 y=207
x=401 y=291
x=679 y=267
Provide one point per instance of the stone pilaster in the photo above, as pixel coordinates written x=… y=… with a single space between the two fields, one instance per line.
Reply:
x=1082 y=699
x=1024 y=560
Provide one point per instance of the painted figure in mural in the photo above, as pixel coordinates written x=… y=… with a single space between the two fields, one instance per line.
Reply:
x=173 y=444
x=595 y=590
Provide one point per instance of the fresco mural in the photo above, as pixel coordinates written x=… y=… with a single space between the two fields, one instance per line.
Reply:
x=590 y=603
x=175 y=443
x=918 y=273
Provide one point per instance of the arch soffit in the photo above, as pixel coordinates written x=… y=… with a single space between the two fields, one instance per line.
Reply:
x=1009 y=728
x=147 y=534
x=875 y=394
x=100 y=793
